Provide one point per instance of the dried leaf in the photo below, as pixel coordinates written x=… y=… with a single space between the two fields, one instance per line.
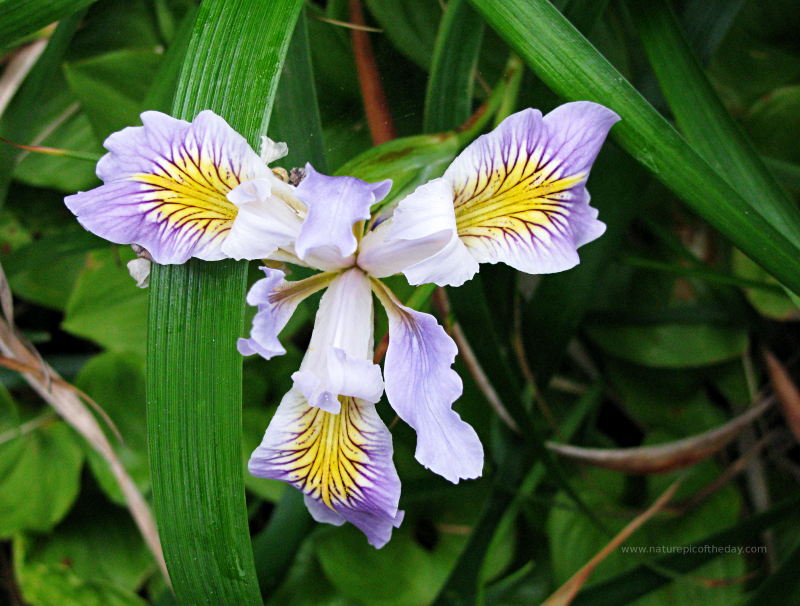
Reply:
x=786 y=391
x=662 y=458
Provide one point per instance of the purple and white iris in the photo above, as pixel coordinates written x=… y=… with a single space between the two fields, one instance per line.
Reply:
x=516 y=195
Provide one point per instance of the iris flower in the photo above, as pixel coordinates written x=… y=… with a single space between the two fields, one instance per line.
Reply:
x=516 y=195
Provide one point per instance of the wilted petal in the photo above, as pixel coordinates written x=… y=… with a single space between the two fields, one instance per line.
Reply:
x=276 y=300
x=519 y=192
x=166 y=185
x=268 y=217
x=421 y=386
x=418 y=240
x=334 y=205
x=341 y=462
x=339 y=357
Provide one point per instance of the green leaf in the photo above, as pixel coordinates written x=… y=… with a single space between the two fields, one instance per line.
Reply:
x=106 y=306
x=570 y=66
x=96 y=542
x=629 y=586
x=112 y=87
x=23 y=17
x=47 y=583
x=671 y=345
x=196 y=314
x=402 y=573
x=39 y=478
x=774 y=125
x=774 y=305
x=116 y=382
x=408 y=161
x=703 y=119
x=448 y=98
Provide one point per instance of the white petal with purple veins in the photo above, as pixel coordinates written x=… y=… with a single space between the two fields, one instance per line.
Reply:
x=276 y=300
x=422 y=227
x=166 y=185
x=341 y=462
x=339 y=357
x=519 y=191
x=421 y=386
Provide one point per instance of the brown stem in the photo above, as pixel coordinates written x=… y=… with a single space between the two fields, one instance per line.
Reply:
x=379 y=120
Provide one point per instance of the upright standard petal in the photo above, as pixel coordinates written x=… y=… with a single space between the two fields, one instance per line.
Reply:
x=335 y=205
x=339 y=357
x=418 y=240
x=166 y=185
x=341 y=462
x=421 y=386
x=276 y=300
x=519 y=192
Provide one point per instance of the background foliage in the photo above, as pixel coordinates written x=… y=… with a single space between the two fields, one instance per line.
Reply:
x=660 y=334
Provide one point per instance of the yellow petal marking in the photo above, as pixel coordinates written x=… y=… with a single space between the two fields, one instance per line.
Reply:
x=189 y=192
x=328 y=460
x=524 y=194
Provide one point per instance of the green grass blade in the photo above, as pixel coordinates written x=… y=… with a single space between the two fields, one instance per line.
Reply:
x=448 y=98
x=23 y=17
x=703 y=119
x=196 y=314
x=574 y=69
x=295 y=120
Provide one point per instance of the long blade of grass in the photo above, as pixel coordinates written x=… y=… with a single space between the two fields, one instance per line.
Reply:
x=23 y=17
x=448 y=98
x=296 y=120
x=196 y=314
x=703 y=119
x=575 y=70
x=783 y=585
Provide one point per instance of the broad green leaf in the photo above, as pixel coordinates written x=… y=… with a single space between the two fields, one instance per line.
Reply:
x=96 y=542
x=46 y=270
x=106 y=306
x=116 y=382
x=56 y=584
x=448 y=98
x=783 y=585
x=671 y=345
x=112 y=87
x=774 y=123
x=774 y=305
x=402 y=573
x=23 y=17
x=570 y=66
x=196 y=313
x=408 y=162
x=39 y=478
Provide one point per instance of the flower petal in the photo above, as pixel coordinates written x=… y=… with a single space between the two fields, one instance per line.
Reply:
x=421 y=386
x=265 y=221
x=276 y=300
x=334 y=205
x=339 y=357
x=341 y=462
x=519 y=192
x=422 y=227
x=166 y=184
